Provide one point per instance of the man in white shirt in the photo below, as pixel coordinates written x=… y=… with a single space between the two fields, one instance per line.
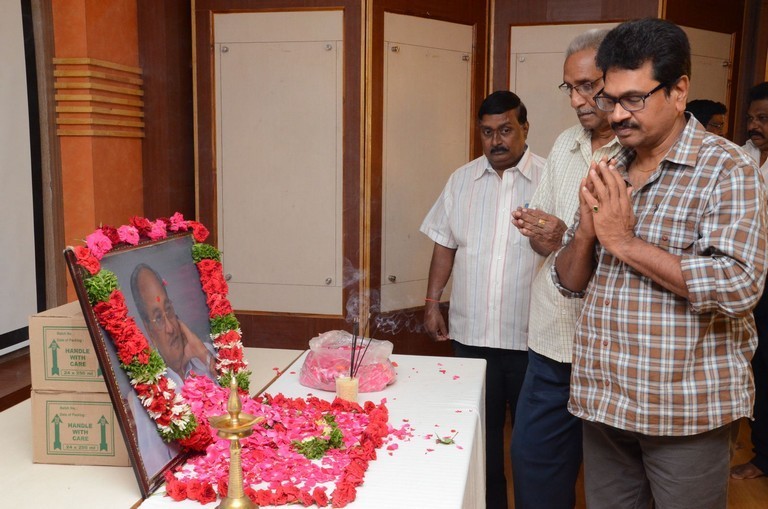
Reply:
x=757 y=147
x=546 y=442
x=493 y=267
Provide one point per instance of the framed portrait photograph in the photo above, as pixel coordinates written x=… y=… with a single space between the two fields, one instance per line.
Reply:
x=157 y=310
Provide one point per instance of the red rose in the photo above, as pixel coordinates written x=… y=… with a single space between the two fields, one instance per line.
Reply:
x=227 y=338
x=261 y=497
x=343 y=495
x=194 y=489
x=142 y=224
x=320 y=497
x=199 y=232
x=174 y=488
x=86 y=260
x=111 y=233
x=231 y=354
x=218 y=306
x=200 y=439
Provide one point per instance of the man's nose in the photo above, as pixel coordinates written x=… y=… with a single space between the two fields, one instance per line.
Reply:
x=752 y=122
x=619 y=114
x=577 y=100
x=168 y=325
x=496 y=138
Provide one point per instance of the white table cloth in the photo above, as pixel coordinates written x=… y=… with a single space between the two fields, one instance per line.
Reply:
x=434 y=395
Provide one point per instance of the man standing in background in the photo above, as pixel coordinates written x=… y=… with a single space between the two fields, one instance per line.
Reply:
x=546 y=441
x=757 y=147
x=493 y=267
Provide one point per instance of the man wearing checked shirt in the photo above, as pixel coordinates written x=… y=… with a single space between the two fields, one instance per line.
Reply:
x=669 y=254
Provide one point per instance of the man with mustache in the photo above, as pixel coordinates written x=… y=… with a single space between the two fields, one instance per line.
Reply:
x=668 y=251
x=182 y=351
x=757 y=147
x=546 y=442
x=492 y=264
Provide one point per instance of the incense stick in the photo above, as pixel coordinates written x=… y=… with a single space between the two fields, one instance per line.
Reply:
x=352 y=352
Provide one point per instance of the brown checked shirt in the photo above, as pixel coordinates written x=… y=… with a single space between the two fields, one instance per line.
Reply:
x=647 y=360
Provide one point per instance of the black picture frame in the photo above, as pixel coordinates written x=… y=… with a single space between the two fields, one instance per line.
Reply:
x=171 y=259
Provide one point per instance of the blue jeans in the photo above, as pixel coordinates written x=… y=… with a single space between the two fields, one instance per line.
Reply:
x=503 y=378
x=546 y=441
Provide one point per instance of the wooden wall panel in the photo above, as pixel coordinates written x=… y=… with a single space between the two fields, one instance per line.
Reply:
x=284 y=330
x=533 y=12
x=165 y=53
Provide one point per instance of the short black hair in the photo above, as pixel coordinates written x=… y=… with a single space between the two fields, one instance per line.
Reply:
x=704 y=109
x=758 y=92
x=633 y=43
x=500 y=102
x=141 y=306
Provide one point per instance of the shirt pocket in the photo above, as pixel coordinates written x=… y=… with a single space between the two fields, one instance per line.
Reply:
x=675 y=235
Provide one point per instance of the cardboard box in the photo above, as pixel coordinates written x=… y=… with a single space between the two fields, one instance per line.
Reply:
x=61 y=352
x=76 y=428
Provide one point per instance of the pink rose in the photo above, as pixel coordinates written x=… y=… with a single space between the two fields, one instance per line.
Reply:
x=99 y=244
x=178 y=223
x=157 y=231
x=128 y=234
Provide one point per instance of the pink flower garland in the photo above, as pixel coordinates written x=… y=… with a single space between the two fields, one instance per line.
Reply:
x=268 y=456
x=157 y=393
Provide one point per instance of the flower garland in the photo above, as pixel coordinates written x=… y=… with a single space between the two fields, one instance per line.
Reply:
x=275 y=470
x=143 y=364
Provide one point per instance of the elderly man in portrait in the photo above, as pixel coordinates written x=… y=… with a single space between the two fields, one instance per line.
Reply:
x=669 y=253
x=184 y=353
x=546 y=441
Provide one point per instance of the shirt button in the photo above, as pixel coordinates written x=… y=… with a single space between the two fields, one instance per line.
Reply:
x=605 y=343
x=607 y=302
x=664 y=238
x=607 y=383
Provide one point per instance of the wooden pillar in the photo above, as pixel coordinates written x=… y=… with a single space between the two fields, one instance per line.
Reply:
x=96 y=55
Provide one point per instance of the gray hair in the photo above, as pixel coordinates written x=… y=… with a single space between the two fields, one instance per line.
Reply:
x=590 y=39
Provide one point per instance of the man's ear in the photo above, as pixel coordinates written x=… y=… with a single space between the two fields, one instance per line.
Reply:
x=525 y=127
x=679 y=92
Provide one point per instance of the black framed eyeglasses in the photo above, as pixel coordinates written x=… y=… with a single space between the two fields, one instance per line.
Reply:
x=628 y=102
x=584 y=90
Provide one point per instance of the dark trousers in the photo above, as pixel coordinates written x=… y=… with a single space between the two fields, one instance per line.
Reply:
x=546 y=442
x=760 y=369
x=503 y=379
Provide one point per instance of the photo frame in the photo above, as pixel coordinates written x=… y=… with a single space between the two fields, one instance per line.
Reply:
x=150 y=299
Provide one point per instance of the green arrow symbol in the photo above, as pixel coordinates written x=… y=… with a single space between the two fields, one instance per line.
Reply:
x=103 y=423
x=56 y=435
x=54 y=346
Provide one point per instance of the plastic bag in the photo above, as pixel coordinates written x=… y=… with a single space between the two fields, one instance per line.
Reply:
x=329 y=357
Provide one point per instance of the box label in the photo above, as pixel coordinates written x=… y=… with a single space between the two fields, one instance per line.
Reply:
x=69 y=355
x=80 y=428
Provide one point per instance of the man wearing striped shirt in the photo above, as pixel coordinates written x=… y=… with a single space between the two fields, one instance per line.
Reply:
x=493 y=266
x=669 y=254
x=546 y=442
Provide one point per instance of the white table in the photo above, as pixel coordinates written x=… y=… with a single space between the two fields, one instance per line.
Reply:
x=27 y=484
x=435 y=395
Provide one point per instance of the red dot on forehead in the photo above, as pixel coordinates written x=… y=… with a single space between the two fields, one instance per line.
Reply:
x=157 y=299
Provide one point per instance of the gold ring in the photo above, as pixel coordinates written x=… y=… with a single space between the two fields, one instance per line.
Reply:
x=594 y=208
x=542 y=221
